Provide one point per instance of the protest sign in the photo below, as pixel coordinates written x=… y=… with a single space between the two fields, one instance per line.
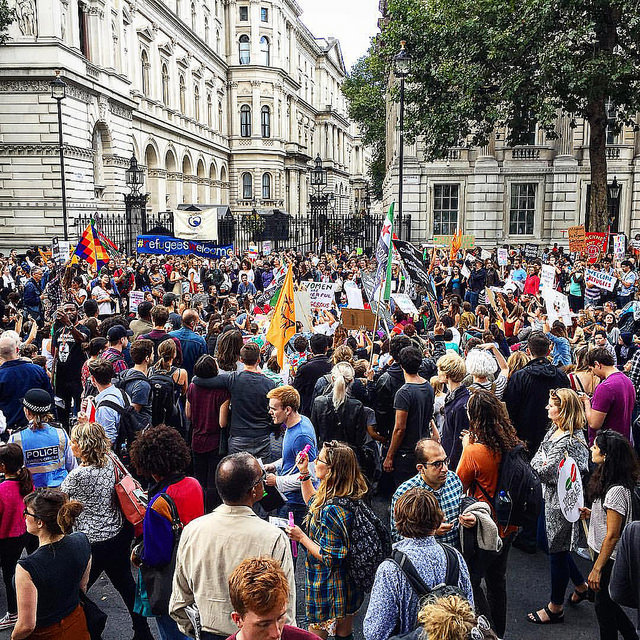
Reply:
x=576 y=239
x=465 y=272
x=135 y=298
x=595 y=244
x=601 y=279
x=404 y=303
x=321 y=294
x=467 y=241
x=503 y=257
x=491 y=297
x=484 y=254
x=266 y=247
x=619 y=246
x=196 y=225
x=557 y=306
x=547 y=275
x=166 y=245
x=357 y=319
x=530 y=251
x=570 y=493
x=354 y=295
x=303 y=309
x=252 y=252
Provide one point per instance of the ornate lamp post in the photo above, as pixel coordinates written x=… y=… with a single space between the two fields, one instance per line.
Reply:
x=401 y=69
x=135 y=203
x=59 y=93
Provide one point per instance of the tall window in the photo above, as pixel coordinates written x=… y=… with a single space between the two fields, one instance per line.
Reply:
x=220 y=117
x=265 y=51
x=82 y=29
x=178 y=8
x=266 y=186
x=245 y=50
x=245 y=121
x=244 y=14
x=165 y=85
x=209 y=111
x=196 y=103
x=264 y=14
x=218 y=41
x=183 y=93
x=206 y=30
x=445 y=209
x=523 y=207
x=612 y=133
x=144 y=60
x=193 y=16
x=265 y=122
x=247 y=186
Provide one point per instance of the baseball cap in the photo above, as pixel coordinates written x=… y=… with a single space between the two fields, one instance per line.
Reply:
x=117 y=332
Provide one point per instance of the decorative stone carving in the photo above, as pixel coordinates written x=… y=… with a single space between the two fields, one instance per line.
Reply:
x=27 y=17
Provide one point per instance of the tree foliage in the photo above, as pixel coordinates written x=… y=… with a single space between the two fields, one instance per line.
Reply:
x=365 y=87
x=479 y=64
x=7 y=16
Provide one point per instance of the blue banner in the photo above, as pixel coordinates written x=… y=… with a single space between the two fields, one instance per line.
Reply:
x=165 y=245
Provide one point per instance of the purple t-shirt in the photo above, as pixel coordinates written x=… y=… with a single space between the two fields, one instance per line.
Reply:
x=615 y=396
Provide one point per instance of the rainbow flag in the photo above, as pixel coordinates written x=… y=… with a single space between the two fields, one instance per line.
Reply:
x=90 y=249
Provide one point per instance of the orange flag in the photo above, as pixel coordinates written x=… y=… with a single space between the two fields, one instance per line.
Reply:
x=456 y=243
x=283 y=322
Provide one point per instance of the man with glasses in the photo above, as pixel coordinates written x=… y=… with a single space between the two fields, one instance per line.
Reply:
x=434 y=474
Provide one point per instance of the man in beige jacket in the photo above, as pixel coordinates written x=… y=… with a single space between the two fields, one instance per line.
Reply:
x=212 y=546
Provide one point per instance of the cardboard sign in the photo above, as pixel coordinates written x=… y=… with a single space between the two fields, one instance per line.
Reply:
x=600 y=279
x=576 y=239
x=358 y=319
x=303 y=309
x=530 y=251
x=503 y=257
x=135 y=298
x=354 y=295
x=321 y=294
x=491 y=297
x=547 y=276
x=557 y=306
x=570 y=493
x=468 y=241
x=266 y=247
x=595 y=243
x=619 y=246
x=404 y=303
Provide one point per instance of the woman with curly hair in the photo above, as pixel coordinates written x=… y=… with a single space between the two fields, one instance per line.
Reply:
x=332 y=598
x=93 y=485
x=161 y=454
x=490 y=436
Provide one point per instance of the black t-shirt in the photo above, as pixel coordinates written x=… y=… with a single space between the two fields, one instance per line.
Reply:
x=417 y=401
x=70 y=355
x=249 y=404
x=56 y=570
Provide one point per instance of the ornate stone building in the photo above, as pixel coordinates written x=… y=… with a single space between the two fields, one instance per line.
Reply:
x=222 y=102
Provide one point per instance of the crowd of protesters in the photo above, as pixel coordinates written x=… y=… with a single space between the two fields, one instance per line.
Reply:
x=249 y=466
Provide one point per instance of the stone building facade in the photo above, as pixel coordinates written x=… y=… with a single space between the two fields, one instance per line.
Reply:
x=221 y=101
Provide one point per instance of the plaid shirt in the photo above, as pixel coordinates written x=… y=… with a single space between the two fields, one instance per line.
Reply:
x=449 y=497
x=634 y=373
x=116 y=358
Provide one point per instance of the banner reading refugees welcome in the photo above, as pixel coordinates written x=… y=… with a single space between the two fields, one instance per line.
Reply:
x=600 y=279
x=166 y=245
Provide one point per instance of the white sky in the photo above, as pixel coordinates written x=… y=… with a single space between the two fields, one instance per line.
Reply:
x=353 y=22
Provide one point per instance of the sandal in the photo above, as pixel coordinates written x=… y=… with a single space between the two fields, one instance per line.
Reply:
x=554 y=618
x=579 y=595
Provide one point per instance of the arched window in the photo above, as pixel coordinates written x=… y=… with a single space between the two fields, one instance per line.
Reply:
x=245 y=121
x=265 y=121
x=196 y=103
x=266 y=186
x=193 y=16
x=245 y=50
x=247 y=186
x=209 y=111
x=206 y=30
x=183 y=92
x=144 y=59
x=165 y=85
x=265 y=51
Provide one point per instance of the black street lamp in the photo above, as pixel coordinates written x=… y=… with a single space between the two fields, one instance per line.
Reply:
x=614 y=189
x=401 y=69
x=318 y=174
x=58 y=93
x=320 y=199
x=135 y=203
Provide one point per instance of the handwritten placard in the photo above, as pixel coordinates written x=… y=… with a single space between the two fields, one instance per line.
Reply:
x=600 y=279
x=570 y=493
x=576 y=238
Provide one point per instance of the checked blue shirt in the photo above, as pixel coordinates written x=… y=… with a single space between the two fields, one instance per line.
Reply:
x=449 y=497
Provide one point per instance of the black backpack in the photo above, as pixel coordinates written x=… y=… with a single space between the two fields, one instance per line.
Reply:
x=164 y=399
x=518 y=497
x=131 y=423
x=369 y=542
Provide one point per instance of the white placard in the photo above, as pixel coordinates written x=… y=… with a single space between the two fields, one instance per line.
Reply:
x=354 y=295
x=135 y=298
x=464 y=271
x=321 y=294
x=266 y=247
x=570 y=493
x=600 y=279
x=619 y=246
x=547 y=276
x=196 y=225
x=503 y=255
x=404 y=302
x=484 y=254
x=303 y=308
x=557 y=305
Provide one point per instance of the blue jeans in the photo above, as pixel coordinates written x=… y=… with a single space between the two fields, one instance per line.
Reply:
x=168 y=628
x=622 y=300
x=472 y=298
x=563 y=568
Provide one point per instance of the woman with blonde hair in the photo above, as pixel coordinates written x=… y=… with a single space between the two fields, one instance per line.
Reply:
x=452 y=618
x=331 y=596
x=516 y=361
x=93 y=485
x=564 y=438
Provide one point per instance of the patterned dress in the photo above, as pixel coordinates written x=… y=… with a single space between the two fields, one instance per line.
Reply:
x=330 y=593
x=561 y=534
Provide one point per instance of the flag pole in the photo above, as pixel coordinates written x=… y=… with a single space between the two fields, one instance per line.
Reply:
x=375 y=325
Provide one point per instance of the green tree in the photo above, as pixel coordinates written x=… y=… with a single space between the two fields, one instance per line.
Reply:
x=365 y=87
x=7 y=16
x=480 y=64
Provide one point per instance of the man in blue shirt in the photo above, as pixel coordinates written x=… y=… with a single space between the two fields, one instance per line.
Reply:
x=518 y=274
x=16 y=378
x=193 y=345
x=284 y=403
x=101 y=375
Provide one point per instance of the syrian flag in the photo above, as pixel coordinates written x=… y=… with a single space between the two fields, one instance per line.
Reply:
x=384 y=254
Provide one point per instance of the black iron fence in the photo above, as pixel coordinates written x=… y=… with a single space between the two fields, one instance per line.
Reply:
x=308 y=232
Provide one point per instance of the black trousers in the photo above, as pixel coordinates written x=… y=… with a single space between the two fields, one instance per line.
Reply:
x=204 y=470
x=10 y=552
x=68 y=393
x=491 y=603
x=611 y=618
x=112 y=557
